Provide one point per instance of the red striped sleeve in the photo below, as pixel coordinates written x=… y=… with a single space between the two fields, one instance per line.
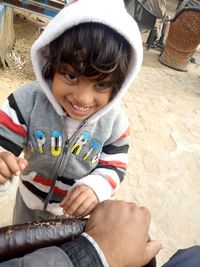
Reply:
x=7 y=122
x=46 y=182
x=42 y=180
x=60 y=191
x=125 y=134
x=115 y=163
x=111 y=181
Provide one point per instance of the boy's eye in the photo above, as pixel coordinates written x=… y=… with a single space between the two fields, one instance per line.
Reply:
x=103 y=85
x=71 y=77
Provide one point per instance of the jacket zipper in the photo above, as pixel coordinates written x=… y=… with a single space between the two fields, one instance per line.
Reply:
x=60 y=163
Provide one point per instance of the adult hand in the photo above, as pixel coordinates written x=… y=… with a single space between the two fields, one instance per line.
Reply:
x=121 y=231
x=10 y=165
x=80 y=201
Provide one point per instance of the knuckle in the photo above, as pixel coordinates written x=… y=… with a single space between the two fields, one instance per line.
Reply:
x=145 y=210
x=94 y=202
x=146 y=214
x=78 y=189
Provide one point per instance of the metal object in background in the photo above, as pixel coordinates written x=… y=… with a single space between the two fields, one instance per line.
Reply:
x=7 y=35
x=48 y=8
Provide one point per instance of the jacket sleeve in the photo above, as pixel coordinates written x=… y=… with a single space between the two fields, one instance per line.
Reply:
x=13 y=130
x=111 y=169
x=84 y=252
x=50 y=256
x=77 y=253
x=13 y=133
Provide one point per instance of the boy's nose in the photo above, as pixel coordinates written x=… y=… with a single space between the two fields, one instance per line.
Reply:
x=83 y=95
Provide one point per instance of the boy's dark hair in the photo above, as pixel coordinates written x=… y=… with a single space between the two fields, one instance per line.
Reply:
x=91 y=49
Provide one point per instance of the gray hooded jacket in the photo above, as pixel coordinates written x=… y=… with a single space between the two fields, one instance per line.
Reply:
x=32 y=121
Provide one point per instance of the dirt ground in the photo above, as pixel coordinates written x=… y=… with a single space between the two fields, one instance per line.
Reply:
x=163 y=106
x=26 y=28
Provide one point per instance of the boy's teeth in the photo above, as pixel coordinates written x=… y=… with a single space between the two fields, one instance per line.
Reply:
x=82 y=109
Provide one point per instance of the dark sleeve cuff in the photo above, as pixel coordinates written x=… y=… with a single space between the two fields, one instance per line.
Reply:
x=82 y=253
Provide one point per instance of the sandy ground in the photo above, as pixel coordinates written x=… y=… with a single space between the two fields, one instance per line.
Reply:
x=163 y=106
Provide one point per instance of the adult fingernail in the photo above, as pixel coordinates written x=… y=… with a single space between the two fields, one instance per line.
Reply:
x=17 y=173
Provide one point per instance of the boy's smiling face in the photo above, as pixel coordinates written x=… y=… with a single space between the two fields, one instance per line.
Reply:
x=84 y=76
x=81 y=96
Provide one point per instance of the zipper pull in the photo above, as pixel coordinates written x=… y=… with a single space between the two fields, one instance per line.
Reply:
x=67 y=142
x=83 y=124
x=66 y=146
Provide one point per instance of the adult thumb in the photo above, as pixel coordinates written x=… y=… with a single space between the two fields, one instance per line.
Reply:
x=152 y=249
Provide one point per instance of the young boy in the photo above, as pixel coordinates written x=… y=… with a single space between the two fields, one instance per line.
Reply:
x=68 y=123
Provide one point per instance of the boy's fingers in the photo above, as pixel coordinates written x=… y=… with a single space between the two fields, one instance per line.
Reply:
x=70 y=198
x=152 y=249
x=9 y=164
x=22 y=163
x=75 y=204
x=65 y=199
x=85 y=209
x=5 y=169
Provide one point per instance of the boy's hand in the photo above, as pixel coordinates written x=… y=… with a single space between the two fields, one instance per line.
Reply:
x=10 y=165
x=80 y=201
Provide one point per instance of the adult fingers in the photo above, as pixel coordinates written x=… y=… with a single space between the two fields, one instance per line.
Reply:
x=152 y=249
x=146 y=212
x=141 y=216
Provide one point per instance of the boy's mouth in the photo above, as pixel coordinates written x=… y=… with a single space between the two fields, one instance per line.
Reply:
x=79 y=108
